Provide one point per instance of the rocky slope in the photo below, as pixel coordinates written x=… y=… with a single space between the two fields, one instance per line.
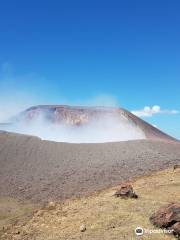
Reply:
x=39 y=170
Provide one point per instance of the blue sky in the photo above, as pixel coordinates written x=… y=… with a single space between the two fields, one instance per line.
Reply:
x=123 y=53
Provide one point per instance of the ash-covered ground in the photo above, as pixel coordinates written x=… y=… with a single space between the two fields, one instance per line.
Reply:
x=32 y=169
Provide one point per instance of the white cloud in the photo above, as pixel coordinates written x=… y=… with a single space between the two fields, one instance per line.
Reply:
x=148 y=111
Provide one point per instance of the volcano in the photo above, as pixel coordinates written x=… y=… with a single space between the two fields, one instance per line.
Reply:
x=80 y=124
x=35 y=169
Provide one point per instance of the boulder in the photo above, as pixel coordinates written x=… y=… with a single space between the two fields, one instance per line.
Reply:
x=176 y=228
x=168 y=217
x=125 y=191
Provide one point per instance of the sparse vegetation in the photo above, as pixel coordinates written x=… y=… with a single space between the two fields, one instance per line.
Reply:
x=103 y=215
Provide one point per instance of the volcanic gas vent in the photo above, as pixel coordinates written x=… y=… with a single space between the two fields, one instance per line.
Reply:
x=83 y=124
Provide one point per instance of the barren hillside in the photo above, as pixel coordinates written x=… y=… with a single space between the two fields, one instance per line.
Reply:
x=40 y=170
x=103 y=215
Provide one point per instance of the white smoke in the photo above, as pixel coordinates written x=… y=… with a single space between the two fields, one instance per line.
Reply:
x=16 y=95
x=103 y=129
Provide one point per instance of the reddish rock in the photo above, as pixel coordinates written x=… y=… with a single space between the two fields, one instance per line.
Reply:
x=125 y=191
x=176 y=228
x=168 y=217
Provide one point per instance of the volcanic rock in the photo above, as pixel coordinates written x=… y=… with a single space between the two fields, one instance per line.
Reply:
x=168 y=217
x=125 y=191
x=176 y=228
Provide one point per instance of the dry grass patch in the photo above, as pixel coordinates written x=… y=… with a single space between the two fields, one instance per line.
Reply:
x=105 y=216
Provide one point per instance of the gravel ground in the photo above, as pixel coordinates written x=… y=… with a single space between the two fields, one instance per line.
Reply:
x=32 y=169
